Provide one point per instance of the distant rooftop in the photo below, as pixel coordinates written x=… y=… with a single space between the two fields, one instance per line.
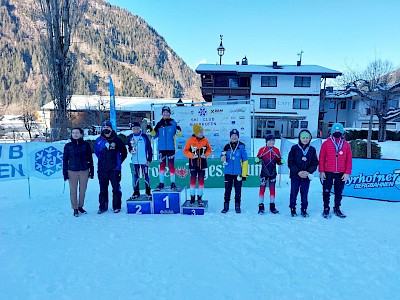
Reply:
x=269 y=69
x=95 y=102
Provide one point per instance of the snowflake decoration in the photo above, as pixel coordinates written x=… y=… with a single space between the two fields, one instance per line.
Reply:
x=202 y=111
x=48 y=161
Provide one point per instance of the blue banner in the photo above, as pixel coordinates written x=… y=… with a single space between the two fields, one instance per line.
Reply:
x=113 y=113
x=377 y=179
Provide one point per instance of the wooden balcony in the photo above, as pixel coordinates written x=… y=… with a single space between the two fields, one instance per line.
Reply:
x=226 y=91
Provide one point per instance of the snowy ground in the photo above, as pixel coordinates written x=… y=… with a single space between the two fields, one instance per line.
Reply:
x=46 y=253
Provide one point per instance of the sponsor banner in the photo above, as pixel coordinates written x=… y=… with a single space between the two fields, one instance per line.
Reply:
x=377 y=179
x=214 y=177
x=24 y=160
x=217 y=122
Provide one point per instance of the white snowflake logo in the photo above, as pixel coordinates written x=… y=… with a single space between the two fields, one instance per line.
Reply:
x=48 y=161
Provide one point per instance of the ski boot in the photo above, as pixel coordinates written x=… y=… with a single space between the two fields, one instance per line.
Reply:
x=338 y=213
x=304 y=213
x=159 y=187
x=135 y=196
x=226 y=208
x=273 y=209
x=293 y=212
x=237 y=207
x=325 y=213
x=192 y=200
x=261 y=209
x=148 y=193
x=173 y=186
x=200 y=201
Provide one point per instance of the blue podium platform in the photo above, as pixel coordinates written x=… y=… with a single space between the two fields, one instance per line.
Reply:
x=167 y=201
x=139 y=206
x=194 y=209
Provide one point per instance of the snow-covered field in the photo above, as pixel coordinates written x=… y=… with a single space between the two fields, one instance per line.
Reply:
x=46 y=253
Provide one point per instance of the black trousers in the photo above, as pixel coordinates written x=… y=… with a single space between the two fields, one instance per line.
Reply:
x=230 y=181
x=105 y=178
x=334 y=179
x=296 y=184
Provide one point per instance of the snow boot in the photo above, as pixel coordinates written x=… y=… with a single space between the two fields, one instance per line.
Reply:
x=261 y=208
x=160 y=186
x=148 y=192
x=273 y=209
x=226 y=208
x=81 y=210
x=76 y=213
x=293 y=212
x=192 y=199
x=338 y=213
x=200 y=200
x=173 y=186
x=237 y=207
x=304 y=213
x=325 y=213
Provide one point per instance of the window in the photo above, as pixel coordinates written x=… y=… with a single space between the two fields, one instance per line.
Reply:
x=303 y=124
x=353 y=104
x=332 y=104
x=295 y=123
x=233 y=82
x=343 y=104
x=269 y=81
x=271 y=124
x=300 y=81
x=299 y=103
x=394 y=104
x=269 y=103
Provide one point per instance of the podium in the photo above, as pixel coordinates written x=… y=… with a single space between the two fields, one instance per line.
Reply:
x=139 y=206
x=194 y=209
x=167 y=201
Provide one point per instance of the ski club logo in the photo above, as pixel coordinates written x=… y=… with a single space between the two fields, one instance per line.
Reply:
x=48 y=161
x=182 y=172
x=202 y=111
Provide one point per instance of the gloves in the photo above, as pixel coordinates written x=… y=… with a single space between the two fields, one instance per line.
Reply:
x=153 y=133
x=239 y=178
x=203 y=156
x=244 y=178
x=257 y=160
x=283 y=161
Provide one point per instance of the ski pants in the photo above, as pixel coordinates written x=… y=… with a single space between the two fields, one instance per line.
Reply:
x=271 y=180
x=230 y=181
x=296 y=184
x=162 y=157
x=136 y=177
x=194 y=174
x=105 y=178
x=334 y=179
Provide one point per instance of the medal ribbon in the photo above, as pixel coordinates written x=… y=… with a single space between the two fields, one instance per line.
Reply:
x=233 y=151
x=304 y=151
x=339 y=146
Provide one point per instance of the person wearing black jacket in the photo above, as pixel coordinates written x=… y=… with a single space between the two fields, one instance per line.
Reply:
x=111 y=152
x=302 y=162
x=77 y=168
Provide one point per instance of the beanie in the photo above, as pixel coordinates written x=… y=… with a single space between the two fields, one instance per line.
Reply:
x=234 y=131
x=166 y=108
x=269 y=137
x=135 y=124
x=304 y=134
x=337 y=127
x=107 y=123
x=197 y=128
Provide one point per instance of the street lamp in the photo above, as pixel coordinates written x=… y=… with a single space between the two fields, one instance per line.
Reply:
x=220 y=49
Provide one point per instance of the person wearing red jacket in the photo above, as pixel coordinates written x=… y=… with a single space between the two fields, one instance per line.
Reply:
x=335 y=163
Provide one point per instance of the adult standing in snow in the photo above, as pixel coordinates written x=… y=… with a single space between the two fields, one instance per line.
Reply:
x=111 y=152
x=335 y=163
x=77 y=168
x=269 y=156
x=140 y=148
x=302 y=162
x=165 y=130
x=234 y=157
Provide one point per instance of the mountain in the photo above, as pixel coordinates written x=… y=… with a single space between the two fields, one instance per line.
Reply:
x=108 y=41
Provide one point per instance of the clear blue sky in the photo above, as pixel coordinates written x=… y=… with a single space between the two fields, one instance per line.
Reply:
x=332 y=33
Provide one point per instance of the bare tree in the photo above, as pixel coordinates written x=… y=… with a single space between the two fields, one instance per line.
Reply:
x=60 y=17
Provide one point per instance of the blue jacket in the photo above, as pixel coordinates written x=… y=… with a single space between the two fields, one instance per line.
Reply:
x=165 y=132
x=111 y=152
x=143 y=152
x=237 y=166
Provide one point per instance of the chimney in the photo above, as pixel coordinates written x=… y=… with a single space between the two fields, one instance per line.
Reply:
x=275 y=64
x=299 y=63
x=244 y=60
x=237 y=63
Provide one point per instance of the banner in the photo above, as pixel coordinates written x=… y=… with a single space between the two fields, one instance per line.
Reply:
x=217 y=121
x=377 y=179
x=286 y=145
x=214 y=177
x=25 y=160
x=113 y=112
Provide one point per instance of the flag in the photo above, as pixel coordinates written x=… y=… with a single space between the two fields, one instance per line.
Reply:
x=113 y=113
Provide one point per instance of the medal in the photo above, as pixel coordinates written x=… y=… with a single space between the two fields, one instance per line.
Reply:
x=341 y=152
x=233 y=158
x=304 y=158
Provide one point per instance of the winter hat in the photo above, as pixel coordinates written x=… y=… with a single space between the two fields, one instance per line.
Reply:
x=234 y=131
x=166 y=108
x=197 y=128
x=304 y=134
x=337 y=127
x=135 y=124
x=269 y=137
x=107 y=123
